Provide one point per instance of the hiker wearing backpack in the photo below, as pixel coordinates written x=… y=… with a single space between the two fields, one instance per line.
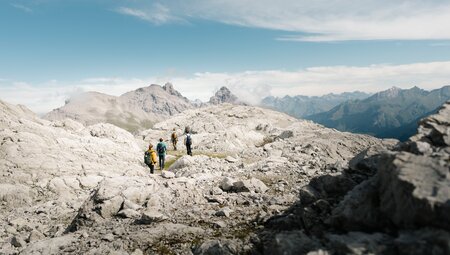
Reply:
x=161 y=148
x=174 y=139
x=150 y=158
x=188 y=143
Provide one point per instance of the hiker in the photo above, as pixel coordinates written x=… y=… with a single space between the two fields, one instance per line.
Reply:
x=188 y=142
x=161 y=148
x=150 y=158
x=174 y=139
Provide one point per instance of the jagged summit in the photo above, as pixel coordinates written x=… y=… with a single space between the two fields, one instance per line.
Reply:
x=224 y=95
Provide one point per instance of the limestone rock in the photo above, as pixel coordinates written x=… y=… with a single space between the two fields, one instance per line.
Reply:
x=225 y=211
x=219 y=247
x=227 y=184
x=151 y=216
x=34 y=236
x=251 y=185
x=418 y=185
x=128 y=213
x=18 y=242
x=167 y=174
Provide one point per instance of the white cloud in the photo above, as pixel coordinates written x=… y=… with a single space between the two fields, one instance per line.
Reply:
x=250 y=86
x=322 y=20
x=157 y=14
x=22 y=7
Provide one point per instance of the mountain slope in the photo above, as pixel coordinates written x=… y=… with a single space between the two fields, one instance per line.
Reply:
x=300 y=106
x=391 y=113
x=133 y=111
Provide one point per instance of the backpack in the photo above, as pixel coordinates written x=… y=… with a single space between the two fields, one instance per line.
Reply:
x=174 y=136
x=147 y=158
x=188 y=139
x=161 y=148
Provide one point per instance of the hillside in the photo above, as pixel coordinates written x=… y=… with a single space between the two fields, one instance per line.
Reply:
x=259 y=182
x=133 y=111
x=301 y=106
x=392 y=113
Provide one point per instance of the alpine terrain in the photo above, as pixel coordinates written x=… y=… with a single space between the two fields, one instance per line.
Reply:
x=259 y=182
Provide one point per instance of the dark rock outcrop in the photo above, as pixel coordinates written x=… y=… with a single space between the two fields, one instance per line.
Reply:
x=224 y=95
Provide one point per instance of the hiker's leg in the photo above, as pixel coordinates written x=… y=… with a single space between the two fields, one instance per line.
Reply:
x=152 y=168
x=160 y=162
x=163 y=161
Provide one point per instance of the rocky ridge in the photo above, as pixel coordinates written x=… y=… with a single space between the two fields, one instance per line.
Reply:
x=133 y=111
x=259 y=182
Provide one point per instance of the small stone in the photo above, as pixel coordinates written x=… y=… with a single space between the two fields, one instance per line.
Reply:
x=226 y=184
x=127 y=204
x=18 y=242
x=225 y=212
x=11 y=230
x=108 y=237
x=35 y=236
x=137 y=252
x=219 y=224
x=216 y=191
x=128 y=213
x=167 y=174
x=230 y=159
x=151 y=215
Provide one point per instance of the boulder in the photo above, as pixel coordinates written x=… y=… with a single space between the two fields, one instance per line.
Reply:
x=415 y=190
x=128 y=213
x=217 y=247
x=308 y=195
x=251 y=185
x=226 y=184
x=35 y=236
x=167 y=174
x=110 y=207
x=225 y=211
x=291 y=243
x=436 y=128
x=359 y=243
x=18 y=242
x=151 y=216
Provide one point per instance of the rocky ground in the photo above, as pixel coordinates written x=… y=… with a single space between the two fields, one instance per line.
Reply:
x=260 y=182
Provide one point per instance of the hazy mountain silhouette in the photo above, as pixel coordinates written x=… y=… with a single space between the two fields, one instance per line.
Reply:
x=301 y=106
x=391 y=113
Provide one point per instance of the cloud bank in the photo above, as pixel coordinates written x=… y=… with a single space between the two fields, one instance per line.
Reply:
x=250 y=86
x=320 y=20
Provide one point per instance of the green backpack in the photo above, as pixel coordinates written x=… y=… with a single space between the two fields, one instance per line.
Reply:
x=147 y=158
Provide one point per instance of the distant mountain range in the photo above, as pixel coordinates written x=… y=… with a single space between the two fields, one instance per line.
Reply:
x=393 y=113
x=301 y=106
x=134 y=111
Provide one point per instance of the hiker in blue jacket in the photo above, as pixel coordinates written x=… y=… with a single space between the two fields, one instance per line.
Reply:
x=161 y=148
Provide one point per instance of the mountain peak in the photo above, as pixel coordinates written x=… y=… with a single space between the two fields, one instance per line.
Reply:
x=223 y=95
x=389 y=93
x=168 y=87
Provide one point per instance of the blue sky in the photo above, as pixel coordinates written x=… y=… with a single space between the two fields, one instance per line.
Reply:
x=54 y=48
